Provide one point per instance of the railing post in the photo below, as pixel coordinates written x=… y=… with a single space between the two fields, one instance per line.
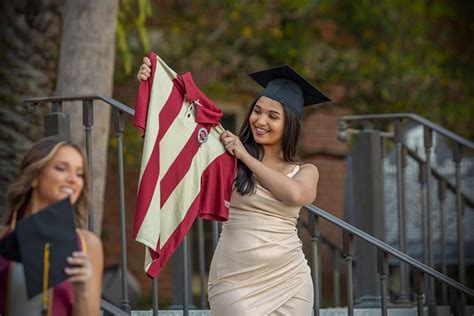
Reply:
x=401 y=162
x=428 y=144
x=202 y=262
x=336 y=276
x=154 y=296
x=313 y=223
x=455 y=303
x=422 y=180
x=88 y=121
x=368 y=211
x=419 y=284
x=368 y=124
x=342 y=134
x=457 y=158
x=215 y=234
x=444 y=268
x=119 y=128
x=187 y=280
x=57 y=122
x=182 y=285
x=348 y=250
x=382 y=270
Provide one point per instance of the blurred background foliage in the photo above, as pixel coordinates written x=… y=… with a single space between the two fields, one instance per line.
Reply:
x=131 y=20
x=370 y=56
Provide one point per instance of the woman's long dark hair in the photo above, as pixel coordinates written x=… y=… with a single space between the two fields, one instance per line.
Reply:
x=245 y=180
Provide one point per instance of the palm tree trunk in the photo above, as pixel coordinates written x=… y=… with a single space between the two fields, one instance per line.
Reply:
x=86 y=66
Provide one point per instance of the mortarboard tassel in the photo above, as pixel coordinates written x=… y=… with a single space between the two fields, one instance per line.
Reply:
x=45 y=310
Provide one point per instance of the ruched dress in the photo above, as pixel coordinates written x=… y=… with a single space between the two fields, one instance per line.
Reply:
x=259 y=267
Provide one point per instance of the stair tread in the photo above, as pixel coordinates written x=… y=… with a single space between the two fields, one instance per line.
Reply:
x=340 y=311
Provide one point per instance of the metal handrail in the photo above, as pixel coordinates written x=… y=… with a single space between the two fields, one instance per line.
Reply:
x=419 y=160
x=439 y=176
x=116 y=104
x=443 y=131
x=122 y=108
x=426 y=170
x=324 y=239
x=388 y=249
x=111 y=308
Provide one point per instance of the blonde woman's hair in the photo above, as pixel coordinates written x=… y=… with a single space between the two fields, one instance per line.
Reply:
x=19 y=192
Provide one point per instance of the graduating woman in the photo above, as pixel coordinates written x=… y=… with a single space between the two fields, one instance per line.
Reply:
x=259 y=267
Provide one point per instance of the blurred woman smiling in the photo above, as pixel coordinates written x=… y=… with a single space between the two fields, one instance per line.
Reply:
x=52 y=170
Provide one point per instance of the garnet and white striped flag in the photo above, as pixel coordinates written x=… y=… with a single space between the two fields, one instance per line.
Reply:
x=185 y=170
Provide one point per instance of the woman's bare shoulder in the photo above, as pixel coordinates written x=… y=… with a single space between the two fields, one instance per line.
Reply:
x=310 y=168
x=93 y=242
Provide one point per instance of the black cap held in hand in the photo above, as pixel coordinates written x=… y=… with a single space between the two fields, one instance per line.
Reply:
x=42 y=242
x=285 y=85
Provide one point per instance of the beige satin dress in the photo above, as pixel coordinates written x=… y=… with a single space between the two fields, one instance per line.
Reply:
x=259 y=267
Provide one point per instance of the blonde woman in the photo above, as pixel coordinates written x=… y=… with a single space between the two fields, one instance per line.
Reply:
x=52 y=170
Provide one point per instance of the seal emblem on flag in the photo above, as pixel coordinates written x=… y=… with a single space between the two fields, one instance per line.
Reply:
x=202 y=135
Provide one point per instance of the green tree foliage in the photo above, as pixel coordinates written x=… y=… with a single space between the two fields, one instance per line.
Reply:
x=373 y=56
x=412 y=56
x=131 y=26
x=132 y=44
x=232 y=37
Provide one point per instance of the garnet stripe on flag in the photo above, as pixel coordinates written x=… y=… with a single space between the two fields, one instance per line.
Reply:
x=170 y=111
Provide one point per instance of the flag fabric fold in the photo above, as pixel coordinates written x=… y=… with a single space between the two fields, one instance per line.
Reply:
x=185 y=170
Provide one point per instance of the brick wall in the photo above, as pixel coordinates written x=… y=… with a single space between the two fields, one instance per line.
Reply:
x=319 y=145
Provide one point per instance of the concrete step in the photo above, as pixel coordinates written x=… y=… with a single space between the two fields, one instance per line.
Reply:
x=442 y=311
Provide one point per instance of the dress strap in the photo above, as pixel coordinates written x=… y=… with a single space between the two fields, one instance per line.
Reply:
x=294 y=171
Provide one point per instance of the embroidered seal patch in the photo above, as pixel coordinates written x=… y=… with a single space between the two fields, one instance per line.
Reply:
x=202 y=135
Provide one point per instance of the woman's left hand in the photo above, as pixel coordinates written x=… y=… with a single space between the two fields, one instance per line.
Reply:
x=233 y=144
x=80 y=271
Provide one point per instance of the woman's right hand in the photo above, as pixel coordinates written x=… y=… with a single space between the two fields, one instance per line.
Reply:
x=145 y=69
x=80 y=272
x=233 y=145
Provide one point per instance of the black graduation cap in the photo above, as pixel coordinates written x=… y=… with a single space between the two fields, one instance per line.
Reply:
x=285 y=85
x=42 y=242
